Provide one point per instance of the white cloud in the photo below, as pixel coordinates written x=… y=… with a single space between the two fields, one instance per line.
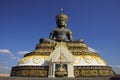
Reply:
x=5 y=51
x=23 y=52
x=91 y=49
x=8 y=52
x=13 y=57
x=116 y=68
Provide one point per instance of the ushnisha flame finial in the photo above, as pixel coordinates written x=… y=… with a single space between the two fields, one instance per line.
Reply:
x=61 y=10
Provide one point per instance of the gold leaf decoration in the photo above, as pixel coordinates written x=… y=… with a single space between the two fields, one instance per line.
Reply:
x=36 y=59
x=77 y=59
x=88 y=59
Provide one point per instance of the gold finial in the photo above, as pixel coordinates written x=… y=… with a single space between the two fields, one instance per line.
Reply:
x=61 y=10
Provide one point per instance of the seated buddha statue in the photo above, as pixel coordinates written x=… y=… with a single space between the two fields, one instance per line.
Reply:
x=60 y=33
x=60 y=71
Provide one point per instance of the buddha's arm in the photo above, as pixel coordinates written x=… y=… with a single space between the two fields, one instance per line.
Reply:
x=69 y=36
x=51 y=35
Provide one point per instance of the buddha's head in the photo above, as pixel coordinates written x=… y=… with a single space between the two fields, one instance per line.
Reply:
x=61 y=20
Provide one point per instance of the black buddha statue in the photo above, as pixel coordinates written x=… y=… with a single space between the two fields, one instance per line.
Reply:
x=60 y=33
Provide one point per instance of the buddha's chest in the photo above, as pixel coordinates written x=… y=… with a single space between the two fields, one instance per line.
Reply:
x=60 y=32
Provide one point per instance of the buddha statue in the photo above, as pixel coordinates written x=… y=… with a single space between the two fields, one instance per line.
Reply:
x=60 y=71
x=60 y=33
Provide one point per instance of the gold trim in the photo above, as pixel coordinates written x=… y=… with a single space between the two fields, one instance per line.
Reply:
x=78 y=58
x=24 y=60
x=36 y=59
x=99 y=60
x=88 y=59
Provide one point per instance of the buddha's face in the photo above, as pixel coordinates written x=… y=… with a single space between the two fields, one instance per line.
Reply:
x=61 y=23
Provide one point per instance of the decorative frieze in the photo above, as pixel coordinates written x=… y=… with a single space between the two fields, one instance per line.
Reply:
x=84 y=71
x=30 y=71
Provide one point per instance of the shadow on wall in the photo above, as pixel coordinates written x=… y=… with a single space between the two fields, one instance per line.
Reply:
x=117 y=77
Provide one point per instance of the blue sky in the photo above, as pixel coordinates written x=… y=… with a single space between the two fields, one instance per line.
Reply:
x=24 y=22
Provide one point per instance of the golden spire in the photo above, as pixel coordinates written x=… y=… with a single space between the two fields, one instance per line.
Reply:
x=61 y=10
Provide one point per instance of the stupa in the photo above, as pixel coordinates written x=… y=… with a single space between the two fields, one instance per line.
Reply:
x=60 y=56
